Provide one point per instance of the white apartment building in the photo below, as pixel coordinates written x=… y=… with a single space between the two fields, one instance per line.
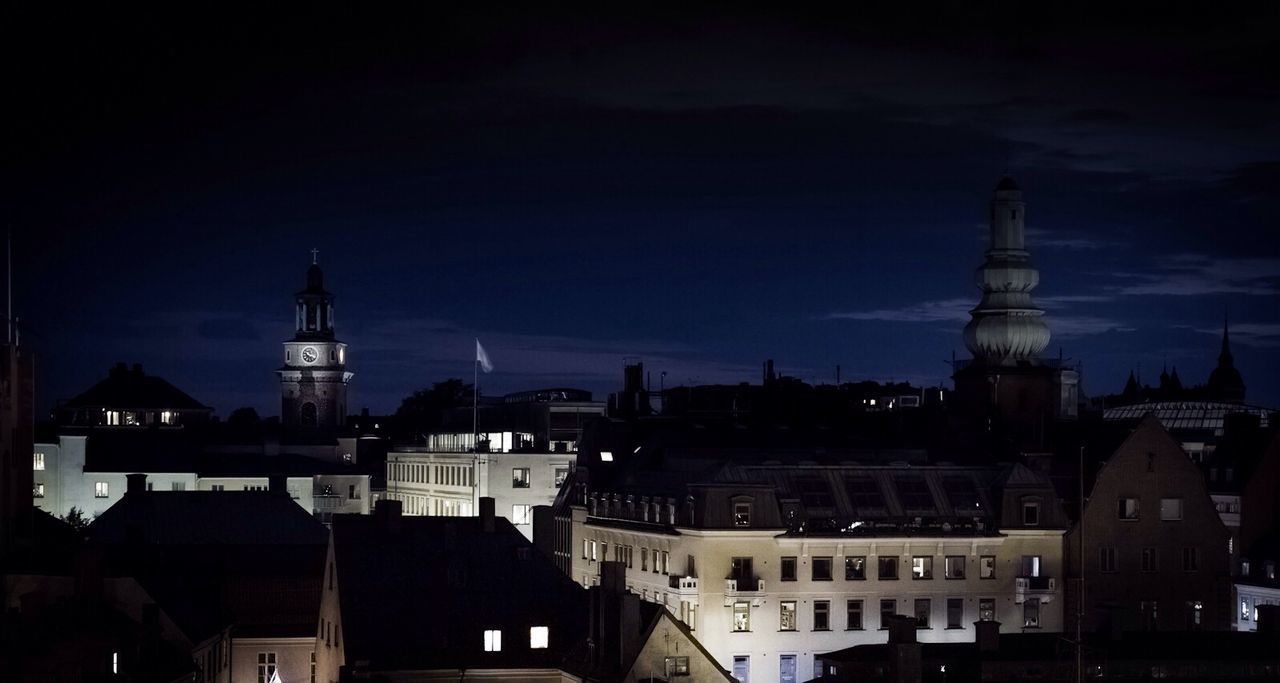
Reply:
x=428 y=482
x=67 y=474
x=772 y=564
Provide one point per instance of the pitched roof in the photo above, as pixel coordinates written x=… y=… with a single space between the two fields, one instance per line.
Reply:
x=397 y=576
x=257 y=518
x=127 y=389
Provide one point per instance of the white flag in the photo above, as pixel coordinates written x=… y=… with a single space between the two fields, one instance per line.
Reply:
x=483 y=358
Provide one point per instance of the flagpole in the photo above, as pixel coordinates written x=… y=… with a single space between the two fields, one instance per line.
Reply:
x=475 y=402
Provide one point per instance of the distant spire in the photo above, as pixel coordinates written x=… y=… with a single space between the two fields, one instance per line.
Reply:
x=1226 y=337
x=315 y=256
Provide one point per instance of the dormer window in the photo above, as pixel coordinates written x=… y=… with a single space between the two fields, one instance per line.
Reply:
x=1030 y=513
x=742 y=514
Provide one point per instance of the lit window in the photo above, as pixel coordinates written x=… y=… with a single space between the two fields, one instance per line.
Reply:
x=676 y=666
x=562 y=473
x=115 y=662
x=787 y=615
x=606 y=456
x=37 y=490
x=100 y=489
x=922 y=567
x=520 y=478
x=1030 y=565
x=521 y=514
x=741 y=616
x=986 y=609
x=1031 y=613
x=37 y=463
x=855 y=568
x=1127 y=508
x=493 y=640
x=1170 y=509
x=955 y=566
x=987 y=567
x=742 y=514
x=538 y=637
x=266 y=666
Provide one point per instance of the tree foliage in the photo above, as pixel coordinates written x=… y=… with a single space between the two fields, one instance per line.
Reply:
x=76 y=519
x=426 y=409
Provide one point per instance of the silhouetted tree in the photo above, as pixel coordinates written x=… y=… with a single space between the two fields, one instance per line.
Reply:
x=76 y=519
x=245 y=417
x=424 y=411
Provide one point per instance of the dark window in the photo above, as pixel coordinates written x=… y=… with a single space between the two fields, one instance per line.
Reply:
x=864 y=494
x=1127 y=508
x=815 y=492
x=855 y=568
x=853 y=615
x=888 y=567
x=915 y=496
x=1030 y=514
x=923 y=608
x=955 y=566
x=1191 y=560
x=888 y=608
x=1149 y=559
x=962 y=493
x=955 y=613
x=741 y=570
x=1106 y=559
x=788 y=569
x=821 y=615
x=822 y=569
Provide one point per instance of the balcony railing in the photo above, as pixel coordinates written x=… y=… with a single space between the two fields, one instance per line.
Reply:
x=685 y=585
x=744 y=585
x=1042 y=587
x=326 y=503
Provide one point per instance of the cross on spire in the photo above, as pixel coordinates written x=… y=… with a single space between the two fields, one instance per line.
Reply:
x=315 y=253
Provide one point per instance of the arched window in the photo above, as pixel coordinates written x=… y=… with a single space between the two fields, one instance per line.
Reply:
x=308 y=414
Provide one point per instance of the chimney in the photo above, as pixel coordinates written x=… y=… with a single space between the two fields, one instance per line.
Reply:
x=544 y=530
x=615 y=617
x=388 y=514
x=135 y=483
x=987 y=635
x=120 y=369
x=137 y=369
x=278 y=483
x=486 y=514
x=905 y=664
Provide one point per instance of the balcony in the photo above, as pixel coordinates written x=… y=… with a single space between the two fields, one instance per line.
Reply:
x=326 y=502
x=744 y=588
x=1042 y=587
x=684 y=585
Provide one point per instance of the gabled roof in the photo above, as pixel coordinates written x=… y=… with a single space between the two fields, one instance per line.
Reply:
x=419 y=592
x=131 y=389
x=257 y=518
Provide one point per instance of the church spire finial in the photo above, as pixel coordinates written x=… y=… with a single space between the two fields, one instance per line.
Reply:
x=315 y=256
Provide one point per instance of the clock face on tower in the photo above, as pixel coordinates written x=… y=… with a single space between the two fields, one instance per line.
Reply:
x=309 y=354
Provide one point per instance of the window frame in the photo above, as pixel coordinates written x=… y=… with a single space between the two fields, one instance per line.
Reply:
x=947 y=566
x=493 y=640
x=101 y=489
x=892 y=604
x=926 y=567
x=849 y=611
x=959 y=620
x=887 y=561
x=743 y=608
x=822 y=608
x=788 y=568
x=539 y=637
x=1180 y=504
x=852 y=573
x=821 y=561
x=928 y=612
x=788 y=611
x=1123 y=512
x=985 y=572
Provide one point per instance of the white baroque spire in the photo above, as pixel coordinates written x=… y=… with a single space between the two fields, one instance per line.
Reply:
x=1006 y=327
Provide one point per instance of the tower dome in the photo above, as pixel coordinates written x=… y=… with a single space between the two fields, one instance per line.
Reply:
x=1006 y=326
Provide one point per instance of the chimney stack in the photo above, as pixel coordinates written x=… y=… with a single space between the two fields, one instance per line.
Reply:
x=905 y=664
x=987 y=635
x=135 y=483
x=278 y=483
x=388 y=513
x=486 y=514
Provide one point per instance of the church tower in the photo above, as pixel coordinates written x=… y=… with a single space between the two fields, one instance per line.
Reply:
x=1225 y=382
x=1007 y=385
x=313 y=380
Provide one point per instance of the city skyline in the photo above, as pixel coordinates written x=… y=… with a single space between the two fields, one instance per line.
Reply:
x=575 y=189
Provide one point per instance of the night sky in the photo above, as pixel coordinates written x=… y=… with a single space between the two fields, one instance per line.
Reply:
x=700 y=192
